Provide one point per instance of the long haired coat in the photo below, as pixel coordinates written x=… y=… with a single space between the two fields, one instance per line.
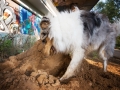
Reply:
x=80 y=32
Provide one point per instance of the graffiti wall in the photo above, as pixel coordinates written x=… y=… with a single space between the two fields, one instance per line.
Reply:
x=18 y=20
x=19 y=29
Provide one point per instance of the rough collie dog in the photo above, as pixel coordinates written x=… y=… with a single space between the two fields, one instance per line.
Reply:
x=80 y=32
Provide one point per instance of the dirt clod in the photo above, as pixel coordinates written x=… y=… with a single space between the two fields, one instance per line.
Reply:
x=41 y=79
x=34 y=74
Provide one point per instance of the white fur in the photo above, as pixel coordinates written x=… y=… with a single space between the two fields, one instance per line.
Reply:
x=68 y=38
x=67 y=34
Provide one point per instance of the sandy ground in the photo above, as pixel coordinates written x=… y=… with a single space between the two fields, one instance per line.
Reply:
x=32 y=70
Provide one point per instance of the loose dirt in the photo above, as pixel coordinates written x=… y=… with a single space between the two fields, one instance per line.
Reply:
x=33 y=70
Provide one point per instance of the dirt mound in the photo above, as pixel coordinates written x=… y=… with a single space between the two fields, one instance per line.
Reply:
x=33 y=70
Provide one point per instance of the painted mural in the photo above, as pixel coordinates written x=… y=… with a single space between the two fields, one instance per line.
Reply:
x=7 y=16
x=18 y=20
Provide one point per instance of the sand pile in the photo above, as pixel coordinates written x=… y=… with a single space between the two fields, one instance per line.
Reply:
x=33 y=70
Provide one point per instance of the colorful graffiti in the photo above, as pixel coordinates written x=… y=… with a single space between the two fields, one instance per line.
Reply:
x=18 y=20
x=7 y=16
x=29 y=22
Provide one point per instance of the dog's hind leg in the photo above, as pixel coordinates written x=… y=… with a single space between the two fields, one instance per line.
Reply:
x=107 y=50
x=104 y=57
x=77 y=58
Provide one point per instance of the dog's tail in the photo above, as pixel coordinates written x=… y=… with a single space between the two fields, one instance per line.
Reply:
x=116 y=27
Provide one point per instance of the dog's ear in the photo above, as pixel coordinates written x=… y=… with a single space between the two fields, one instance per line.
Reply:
x=52 y=39
x=47 y=39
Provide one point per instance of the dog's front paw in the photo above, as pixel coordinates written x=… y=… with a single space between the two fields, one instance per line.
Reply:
x=64 y=80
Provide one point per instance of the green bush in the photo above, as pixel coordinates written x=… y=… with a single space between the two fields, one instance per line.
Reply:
x=8 y=46
x=5 y=46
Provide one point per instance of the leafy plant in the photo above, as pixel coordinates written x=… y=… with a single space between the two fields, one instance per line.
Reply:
x=8 y=46
x=111 y=8
x=5 y=46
